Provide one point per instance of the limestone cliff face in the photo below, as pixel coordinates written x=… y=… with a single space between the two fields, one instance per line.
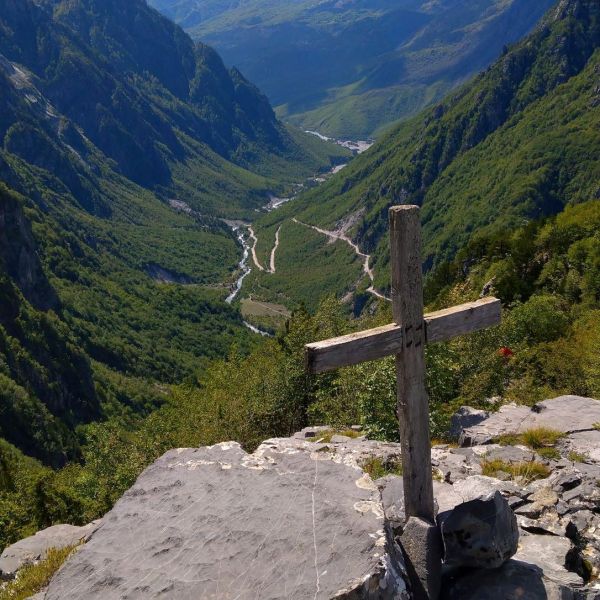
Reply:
x=46 y=382
x=19 y=256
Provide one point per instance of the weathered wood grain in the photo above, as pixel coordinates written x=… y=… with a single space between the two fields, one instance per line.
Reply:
x=459 y=320
x=385 y=341
x=353 y=349
x=413 y=403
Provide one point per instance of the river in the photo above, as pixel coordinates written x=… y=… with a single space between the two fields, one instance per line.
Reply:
x=242 y=265
x=357 y=147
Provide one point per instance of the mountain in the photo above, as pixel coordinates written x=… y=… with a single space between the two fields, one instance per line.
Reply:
x=517 y=143
x=121 y=144
x=149 y=99
x=349 y=69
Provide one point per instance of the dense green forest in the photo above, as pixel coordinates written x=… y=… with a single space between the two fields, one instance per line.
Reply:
x=518 y=142
x=122 y=143
x=350 y=69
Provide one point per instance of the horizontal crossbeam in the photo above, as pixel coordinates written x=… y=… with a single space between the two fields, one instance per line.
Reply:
x=389 y=340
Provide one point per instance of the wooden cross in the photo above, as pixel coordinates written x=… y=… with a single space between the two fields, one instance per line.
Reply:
x=406 y=338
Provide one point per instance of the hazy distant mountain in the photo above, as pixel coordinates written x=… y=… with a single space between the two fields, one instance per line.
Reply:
x=349 y=68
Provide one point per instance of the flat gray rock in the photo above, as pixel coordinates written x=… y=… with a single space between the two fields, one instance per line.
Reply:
x=464 y=417
x=569 y=414
x=289 y=521
x=585 y=443
x=549 y=553
x=35 y=547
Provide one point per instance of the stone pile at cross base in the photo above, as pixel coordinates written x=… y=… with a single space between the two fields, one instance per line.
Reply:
x=299 y=518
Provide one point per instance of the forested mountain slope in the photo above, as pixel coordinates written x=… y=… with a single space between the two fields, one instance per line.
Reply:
x=351 y=68
x=517 y=143
x=110 y=119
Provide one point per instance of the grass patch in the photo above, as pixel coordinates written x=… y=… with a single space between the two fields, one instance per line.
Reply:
x=549 y=453
x=541 y=439
x=34 y=578
x=528 y=471
x=596 y=426
x=577 y=457
x=326 y=436
x=378 y=468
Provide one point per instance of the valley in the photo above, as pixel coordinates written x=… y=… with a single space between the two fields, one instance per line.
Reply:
x=178 y=222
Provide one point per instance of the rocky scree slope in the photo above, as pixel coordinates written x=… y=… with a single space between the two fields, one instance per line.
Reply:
x=313 y=523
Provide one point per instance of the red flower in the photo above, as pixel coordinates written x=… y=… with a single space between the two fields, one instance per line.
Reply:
x=506 y=352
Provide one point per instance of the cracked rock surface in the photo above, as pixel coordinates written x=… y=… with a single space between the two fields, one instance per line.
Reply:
x=288 y=521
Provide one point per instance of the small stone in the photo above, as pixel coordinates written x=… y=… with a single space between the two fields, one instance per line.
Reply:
x=567 y=481
x=549 y=524
x=530 y=510
x=515 y=502
x=422 y=548
x=482 y=533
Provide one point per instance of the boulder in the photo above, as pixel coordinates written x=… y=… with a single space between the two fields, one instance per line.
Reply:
x=481 y=533
x=291 y=520
x=35 y=547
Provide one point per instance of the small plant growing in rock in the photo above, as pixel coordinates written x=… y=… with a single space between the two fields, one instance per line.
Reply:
x=577 y=457
x=549 y=453
x=33 y=578
x=378 y=468
x=541 y=437
x=527 y=471
x=596 y=426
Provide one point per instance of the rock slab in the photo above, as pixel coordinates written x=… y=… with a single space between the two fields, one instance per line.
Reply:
x=34 y=548
x=569 y=414
x=288 y=521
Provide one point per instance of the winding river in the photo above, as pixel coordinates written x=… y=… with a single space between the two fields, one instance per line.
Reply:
x=275 y=203
x=242 y=265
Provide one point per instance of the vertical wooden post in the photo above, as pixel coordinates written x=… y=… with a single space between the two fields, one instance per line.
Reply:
x=413 y=404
